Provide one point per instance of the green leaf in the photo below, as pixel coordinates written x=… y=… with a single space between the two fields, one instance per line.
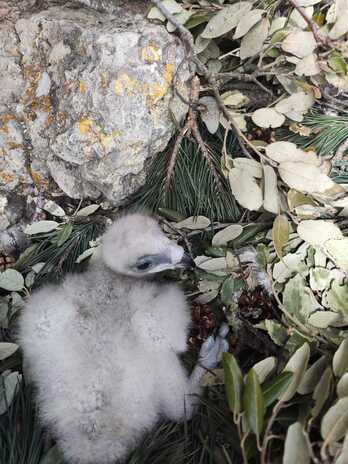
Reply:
x=322 y=391
x=233 y=382
x=317 y=232
x=211 y=113
x=298 y=299
x=296 y=448
x=225 y=20
x=226 y=235
x=264 y=368
x=342 y=386
x=41 y=227
x=334 y=424
x=275 y=389
x=7 y=350
x=276 y=331
x=313 y=375
x=193 y=223
x=254 y=403
x=252 y=42
x=336 y=298
x=197 y=20
x=322 y=319
x=64 y=234
x=340 y=359
x=337 y=62
x=88 y=210
x=280 y=234
x=229 y=289
x=54 y=209
x=171 y=214
x=298 y=365
x=8 y=387
x=343 y=457
x=11 y=280
x=337 y=251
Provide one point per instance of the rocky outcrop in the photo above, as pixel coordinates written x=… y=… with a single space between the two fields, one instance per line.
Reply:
x=84 y=99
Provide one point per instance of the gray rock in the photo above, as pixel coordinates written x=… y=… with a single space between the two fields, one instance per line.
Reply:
x=84 y=99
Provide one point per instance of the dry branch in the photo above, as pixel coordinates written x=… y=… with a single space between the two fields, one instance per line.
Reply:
x=211 y=78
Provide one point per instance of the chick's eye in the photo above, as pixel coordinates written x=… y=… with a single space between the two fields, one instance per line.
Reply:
x=143 y=266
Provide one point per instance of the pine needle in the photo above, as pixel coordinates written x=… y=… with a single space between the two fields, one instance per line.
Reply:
x=194 y=188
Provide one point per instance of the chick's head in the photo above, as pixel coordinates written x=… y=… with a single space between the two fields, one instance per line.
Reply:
x=135 y=245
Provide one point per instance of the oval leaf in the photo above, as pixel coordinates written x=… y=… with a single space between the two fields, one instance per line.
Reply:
x=54 y=209
x=307 y=179
x=64 y=234
x=264 y=368
x=267 y=117
x=211 y=116
x=8 y=387
x=280 y=234
x=340 y=359
x=88 y=210
x=296 y=449
x=246 y=190
x=252 y=42
x=226 y=235
x=193 y=223
x=254 y=403
x=7 y=350
x=334 y=424
x=342 y=386
x=299 y=43
x=312 y=376
x=317 y=232
x=288 y=151
x=247 y=22
x=337 y=251
x=225 y=20
x=271 y=200
x=298 y=365
x=233 y=382
x=41 y=227
x=321 y=392
x=277 y=387
x=11 y=280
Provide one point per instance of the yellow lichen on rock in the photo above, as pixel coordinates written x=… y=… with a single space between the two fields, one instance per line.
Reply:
x=125 y=84
x=85 y=125
x=82 y=86
x=5 y=177
x=157 y=91
x=150 y=54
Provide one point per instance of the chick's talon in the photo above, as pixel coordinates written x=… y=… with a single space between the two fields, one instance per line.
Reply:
x=211 y=351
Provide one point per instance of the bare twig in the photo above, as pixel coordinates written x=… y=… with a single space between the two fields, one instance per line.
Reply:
x=242 y=77
x=268 y=436
x=313 y=27
x=191 y=127
x=187 y=38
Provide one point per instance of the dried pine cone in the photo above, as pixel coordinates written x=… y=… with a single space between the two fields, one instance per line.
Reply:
x=255 y=305
x=6 y=262
x=204 y=323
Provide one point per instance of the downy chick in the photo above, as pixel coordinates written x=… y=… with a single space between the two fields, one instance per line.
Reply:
x=102 y=347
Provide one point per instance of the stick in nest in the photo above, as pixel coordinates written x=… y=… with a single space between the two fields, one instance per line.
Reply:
x=191 y=128
x=187 y=39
